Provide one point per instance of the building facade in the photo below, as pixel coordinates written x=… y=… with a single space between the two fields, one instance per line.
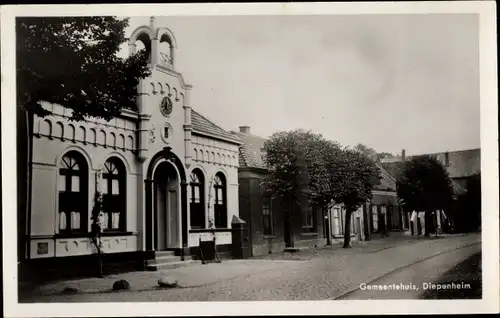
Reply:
x=269 y=228
x=375 y=219
x=270 y=231
x=168 y=176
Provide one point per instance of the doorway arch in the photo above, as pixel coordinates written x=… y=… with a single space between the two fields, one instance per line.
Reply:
x=166 y=180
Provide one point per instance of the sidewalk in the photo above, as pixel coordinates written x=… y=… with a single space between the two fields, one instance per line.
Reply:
x=191 y=276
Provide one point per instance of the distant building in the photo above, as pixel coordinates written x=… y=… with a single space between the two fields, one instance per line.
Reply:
x=269 y=230
x=461 y=166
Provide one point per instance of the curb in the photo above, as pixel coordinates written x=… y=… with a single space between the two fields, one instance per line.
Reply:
x=402 y=268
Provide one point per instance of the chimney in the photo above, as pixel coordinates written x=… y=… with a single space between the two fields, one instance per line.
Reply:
x=245 y=130
x=403 y=155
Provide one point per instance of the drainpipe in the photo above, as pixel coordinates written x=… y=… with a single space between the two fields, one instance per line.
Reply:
x=29 y=131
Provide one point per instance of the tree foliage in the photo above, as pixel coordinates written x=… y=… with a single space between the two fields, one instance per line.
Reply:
x=372 y=153
x=424 y=185
x=358 y=176
x=299 y=163
x=306 y=169
x=72 y=61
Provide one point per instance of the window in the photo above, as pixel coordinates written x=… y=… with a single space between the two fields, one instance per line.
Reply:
x=73 y=194
x=114 y=195
x=406 y=222
x=267 y=217
x=354 y=219
x=308 y=224
x=220 y=209
x=197 y=204
x=337 y=227
x=374 y=219
x=383 y=217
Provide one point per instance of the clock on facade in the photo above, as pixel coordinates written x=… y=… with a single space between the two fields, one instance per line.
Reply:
x=166 y=106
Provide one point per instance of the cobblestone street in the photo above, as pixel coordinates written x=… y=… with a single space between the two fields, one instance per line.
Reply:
x=318 y=274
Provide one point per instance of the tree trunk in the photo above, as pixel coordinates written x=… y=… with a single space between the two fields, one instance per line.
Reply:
x=436 y=222
x=290 y=223
x=427 y=219
x=99 y=264
x=347 y=229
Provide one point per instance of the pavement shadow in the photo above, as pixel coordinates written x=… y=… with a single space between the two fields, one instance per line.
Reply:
x=466 y=278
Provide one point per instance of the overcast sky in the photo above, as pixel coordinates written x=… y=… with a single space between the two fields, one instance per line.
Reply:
x=387 y=81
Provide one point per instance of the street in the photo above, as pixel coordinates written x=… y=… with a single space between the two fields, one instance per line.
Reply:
x=413 y=281
x=321 y=274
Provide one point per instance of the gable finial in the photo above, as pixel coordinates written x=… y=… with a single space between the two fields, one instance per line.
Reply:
x=152 y=22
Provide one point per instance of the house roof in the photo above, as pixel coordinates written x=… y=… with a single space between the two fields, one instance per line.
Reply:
x=393 y=168
x=457 y=188
x=396 y=168
x=251 y=150
x=203 y=125
x=461 y=164
x=387 y=182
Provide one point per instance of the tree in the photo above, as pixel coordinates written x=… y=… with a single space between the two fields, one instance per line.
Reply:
x=96 y=229
x=356 y=175
x=299 y=164
x=385 y=155
x=424 y=185
x=372 y=153
x=71 y=61
x=367 y=151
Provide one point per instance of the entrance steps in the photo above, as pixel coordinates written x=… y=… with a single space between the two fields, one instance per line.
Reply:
x=168 y=260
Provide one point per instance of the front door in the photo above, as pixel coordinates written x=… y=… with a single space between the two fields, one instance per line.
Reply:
x=166 y=213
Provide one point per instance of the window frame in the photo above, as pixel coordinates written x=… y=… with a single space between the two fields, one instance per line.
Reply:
x=375 y=218
x=310 y=216
x=220 y=210
x=200 y=205
x=111 y=199
x=72 y=201
x=267 y=200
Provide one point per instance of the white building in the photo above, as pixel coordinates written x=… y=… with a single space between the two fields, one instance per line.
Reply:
x=166 y=172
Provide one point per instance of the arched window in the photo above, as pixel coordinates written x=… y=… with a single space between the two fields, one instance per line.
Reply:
x=220 y=204
x=73 y=193
x=197 y=204
x=114 y=195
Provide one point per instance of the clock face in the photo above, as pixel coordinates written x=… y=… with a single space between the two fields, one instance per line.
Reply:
x=166 y=106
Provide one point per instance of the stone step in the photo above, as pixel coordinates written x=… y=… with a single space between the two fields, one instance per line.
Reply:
x=295 y=249
x=164 y=253
x=171 y=265
x=167 y=259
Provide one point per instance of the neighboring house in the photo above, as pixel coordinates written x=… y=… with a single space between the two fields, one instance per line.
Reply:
x=266 y=220
x=461 y=166
x=164 y=170
x=265 y=217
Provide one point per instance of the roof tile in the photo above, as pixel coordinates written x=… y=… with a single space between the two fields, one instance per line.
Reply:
x=251 y=151
x=203 y=125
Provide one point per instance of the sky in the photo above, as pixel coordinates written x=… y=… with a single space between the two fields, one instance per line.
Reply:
x=391 y=82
